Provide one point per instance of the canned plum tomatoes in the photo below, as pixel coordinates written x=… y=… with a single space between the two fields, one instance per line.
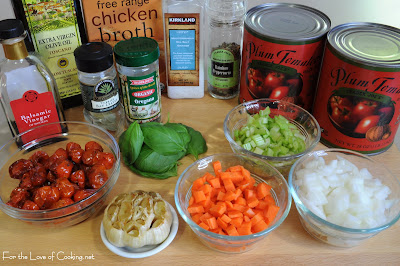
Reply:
x=358 y=94
x=282 y=52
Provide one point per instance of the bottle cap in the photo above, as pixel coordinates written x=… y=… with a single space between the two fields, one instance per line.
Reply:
x=11 y=28
x=94 y=57
x=136 y=52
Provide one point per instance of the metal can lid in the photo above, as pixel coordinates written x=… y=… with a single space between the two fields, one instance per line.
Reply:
x=287 y=22
x=367 y=43
x=136 y=52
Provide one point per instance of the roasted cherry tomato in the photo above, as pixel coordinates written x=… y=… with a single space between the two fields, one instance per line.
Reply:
x=90 y=157
x=72 y=146
x=367 y=123
x=81 y=194
x=107 y=159
x=64 y=169
x=93 y=145
x=65 y=187
x=78 y=177
x=76 y=155
x=39 y=175
x=19 y=168
x=61 y=203
x=45 y=196
x=39 y=157
x=30 y=205
x=18 y=197
x=97 y=176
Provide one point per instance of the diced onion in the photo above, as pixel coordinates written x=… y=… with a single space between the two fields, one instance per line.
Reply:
x=342 y=194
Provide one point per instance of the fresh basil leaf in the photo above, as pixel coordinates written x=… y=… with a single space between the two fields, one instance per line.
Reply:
x=172 y=171
x=197 y=144
x=130 y=143
x=153 y=162
x=182 y=132
x=163 y=140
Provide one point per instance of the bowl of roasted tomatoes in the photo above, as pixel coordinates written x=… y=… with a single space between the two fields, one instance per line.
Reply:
x=58 y=174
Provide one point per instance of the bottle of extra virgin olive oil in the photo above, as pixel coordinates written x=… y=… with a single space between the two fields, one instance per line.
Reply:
x=54 y=33
x=28 y=95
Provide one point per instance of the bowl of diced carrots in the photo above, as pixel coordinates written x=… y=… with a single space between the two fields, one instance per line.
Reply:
x=232 y=201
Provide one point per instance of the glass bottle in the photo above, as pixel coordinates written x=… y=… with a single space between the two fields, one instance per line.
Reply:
x=99 y=86
x=224 y=32
x=29 y=95
x=184 y=23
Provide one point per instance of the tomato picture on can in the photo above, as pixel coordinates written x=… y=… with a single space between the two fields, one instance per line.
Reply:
x=278 y=64
x=358 y=92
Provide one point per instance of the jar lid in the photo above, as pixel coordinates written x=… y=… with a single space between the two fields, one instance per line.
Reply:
x=136 y=52
x=94 y=57
x=11 y=28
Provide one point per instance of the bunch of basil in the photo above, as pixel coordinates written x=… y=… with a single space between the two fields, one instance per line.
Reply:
x=153 y=149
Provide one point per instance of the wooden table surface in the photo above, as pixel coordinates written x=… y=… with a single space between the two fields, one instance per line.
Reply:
x=288 y=244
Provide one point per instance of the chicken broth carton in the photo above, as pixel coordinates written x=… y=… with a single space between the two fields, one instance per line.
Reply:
x=112 y=21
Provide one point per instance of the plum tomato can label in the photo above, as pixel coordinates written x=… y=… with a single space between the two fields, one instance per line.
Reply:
x=224 y=69
x=142 y=97
x=282 y=53
x=358 y=94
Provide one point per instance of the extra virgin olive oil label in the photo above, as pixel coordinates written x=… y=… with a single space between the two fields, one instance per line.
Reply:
x=55 y=35
x=182 y=33
x=102 y=97
x=112 y=21
x=142 y=97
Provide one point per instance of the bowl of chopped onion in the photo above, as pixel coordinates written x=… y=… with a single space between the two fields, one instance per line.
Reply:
x=276 y=131
x=344 y=197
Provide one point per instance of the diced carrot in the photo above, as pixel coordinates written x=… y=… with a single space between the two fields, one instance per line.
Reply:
x=239 y=207
x=245 y=228
x=204 y=226
x=249 y=212
x=231 y=230
x=215 y=183
x=230 y=196
x=269 y=200
x=246 y=174
x=252 y=202
x=217 y=210
x=222 y=223
x=217 y=167
x=211 y=222
x=196 y=217
x=246 y=219
x=226 y=218
x=198 y=195
x=256 y=218
x=191 y=200
x=260 y=226
x=262 y=205
x=229 y=205
x=228 y=184
x=262 y=190
x=249 y=193
x=195 y=209
x=207 y=188
x=198 y=183
x=207 y=177
x=205 y=216
x=221 y=195
x=237 y=222
x=244 y=185
x=234 y=214
x=214 y=194
x=241 y=201
x=272 y=212
x=235 y=168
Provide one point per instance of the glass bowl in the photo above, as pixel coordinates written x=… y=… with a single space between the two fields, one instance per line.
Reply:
x=331 y=233
x=303 y=120
x=261 y=171
x=47 y=139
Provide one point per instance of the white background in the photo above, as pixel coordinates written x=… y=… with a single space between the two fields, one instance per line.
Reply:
x=339 y=11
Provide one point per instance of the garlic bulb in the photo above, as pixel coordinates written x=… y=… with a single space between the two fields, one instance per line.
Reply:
x=137 y=219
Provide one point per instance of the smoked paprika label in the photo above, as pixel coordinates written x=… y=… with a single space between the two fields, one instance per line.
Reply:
x=142 y=99
x=280 y=70
x=357 y=106
x=35 y=109
x=112 y=21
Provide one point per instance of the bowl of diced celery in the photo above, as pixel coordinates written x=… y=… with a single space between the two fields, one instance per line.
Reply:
x=276 y=131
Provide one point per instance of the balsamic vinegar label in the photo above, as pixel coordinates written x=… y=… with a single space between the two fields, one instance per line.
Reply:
x=55 y=35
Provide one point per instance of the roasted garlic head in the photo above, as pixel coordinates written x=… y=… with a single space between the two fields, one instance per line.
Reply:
x=137 y=219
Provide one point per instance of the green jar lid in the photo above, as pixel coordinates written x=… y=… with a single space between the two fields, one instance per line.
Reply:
x=136 y=52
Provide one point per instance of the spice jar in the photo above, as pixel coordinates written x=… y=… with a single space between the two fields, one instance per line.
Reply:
x=138 y=70
x=99 y=86
x=225 y=30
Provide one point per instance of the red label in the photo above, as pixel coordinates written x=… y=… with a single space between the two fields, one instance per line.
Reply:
x=143 y=94
x=356 y=107
x=35 y=109
x=142 y=81
x=279 y=71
